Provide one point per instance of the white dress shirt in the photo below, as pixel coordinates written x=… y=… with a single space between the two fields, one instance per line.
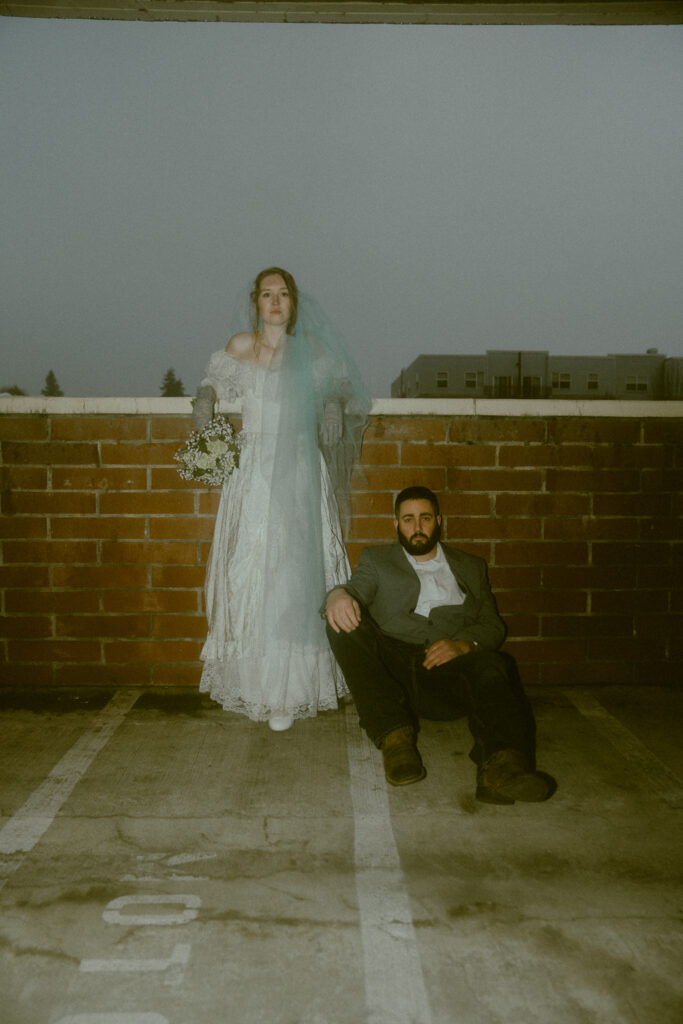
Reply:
x=438 y=585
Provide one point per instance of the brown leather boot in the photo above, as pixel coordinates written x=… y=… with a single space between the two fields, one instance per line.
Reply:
x=402 y=761
x=507 y=777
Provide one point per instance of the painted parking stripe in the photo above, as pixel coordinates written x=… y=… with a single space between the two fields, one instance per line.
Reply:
x=659 y=776
x=25 y=828
x=394 y=983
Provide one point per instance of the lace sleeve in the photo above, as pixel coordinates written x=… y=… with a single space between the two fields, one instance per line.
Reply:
x=224 y=375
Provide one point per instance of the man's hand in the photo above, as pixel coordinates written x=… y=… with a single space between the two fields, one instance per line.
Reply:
x=342 y=611
x=445 y=650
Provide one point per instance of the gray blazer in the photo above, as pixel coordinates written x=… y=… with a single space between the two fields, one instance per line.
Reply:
x=388 y=586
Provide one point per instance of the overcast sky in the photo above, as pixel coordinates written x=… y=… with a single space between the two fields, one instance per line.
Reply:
x=438 y=189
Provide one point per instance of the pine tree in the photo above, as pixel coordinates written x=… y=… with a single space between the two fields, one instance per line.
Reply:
x=172 y=386
x=52 y=387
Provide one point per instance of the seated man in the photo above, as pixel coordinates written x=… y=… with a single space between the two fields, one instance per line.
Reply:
x=415 y=632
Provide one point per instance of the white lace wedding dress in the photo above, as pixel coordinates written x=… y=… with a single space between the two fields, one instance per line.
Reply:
x=249 y=667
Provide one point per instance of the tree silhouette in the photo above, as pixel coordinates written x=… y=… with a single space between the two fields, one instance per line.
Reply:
x=172 y=386
x=13 y=390
x=52 y=388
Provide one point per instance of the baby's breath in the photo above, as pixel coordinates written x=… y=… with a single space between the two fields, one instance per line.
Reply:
x=210 y=455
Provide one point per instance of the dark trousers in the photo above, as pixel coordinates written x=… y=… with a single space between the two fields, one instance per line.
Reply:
x=391 y=689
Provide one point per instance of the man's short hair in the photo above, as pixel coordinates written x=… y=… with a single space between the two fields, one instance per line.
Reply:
x=416 y=493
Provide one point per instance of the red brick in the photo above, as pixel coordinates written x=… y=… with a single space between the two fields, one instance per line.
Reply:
x=150 y=601
x=13 y=576
x=541 y=553
x=545 y=455
x=53 y=650
x=545 y=601
x=174 y=576
x=151 y=651
x=592 y=625
x=593 y=430
x=121 y=626
x=121 y=454
x=658 y=625
x=589 y=528
x=380 y=454
x=168 y=480
x=23 y=478
x=23 y=526
x=497 y=430
x=631 y=456
x=628 y=649
x=109 y=527
x=482 y=549
x=478 y=528
x=662 y=480
x=25 y=625
x=180 y=626
x=588 y=481
x=208 y=503
x=71 y=503
x=621 y=601
x=99 y=428
x=495 y=480
x=669 y=528
x=372 y=528
x=405 y=428
x=607 y=553
x=514 y=578
x=164 y=552
x=663 y=431
x=51 y=601
x=547 y=651
x=172 y=428
x=584 y=673
x=381 y=504
x=23 y=427
x=17 y=675
x=106 y=577
x=657 y=673
x=144 y=503
x=522 y=625
x=181 y=527
x=452 y=455
x=103 y=675
x=587 y=577
x=632 y=505
x=465 y=504
x=110 y=479
x=50 y=551
x=177 y=675
x=542 y=504
x=50 y=454
x=655 y=577
x=376 y=478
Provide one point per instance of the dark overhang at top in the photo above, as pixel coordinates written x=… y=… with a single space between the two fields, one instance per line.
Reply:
x=441 y=12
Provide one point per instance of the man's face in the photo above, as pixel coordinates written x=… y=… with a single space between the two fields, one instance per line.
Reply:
x=417 y=528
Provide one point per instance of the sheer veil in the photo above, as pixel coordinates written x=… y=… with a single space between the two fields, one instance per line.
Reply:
x=316 y=367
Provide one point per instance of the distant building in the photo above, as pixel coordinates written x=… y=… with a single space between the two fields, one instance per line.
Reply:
x=530 y=374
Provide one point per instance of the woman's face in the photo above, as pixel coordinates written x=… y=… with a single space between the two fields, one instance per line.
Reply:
x=274 y=302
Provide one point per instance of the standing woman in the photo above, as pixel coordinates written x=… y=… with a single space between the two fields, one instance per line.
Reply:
x=277 y=546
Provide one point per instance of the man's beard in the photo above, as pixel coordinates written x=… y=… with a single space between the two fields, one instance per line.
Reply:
x=419 y=543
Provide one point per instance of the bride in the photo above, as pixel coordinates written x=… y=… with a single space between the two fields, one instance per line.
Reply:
x=277 y=546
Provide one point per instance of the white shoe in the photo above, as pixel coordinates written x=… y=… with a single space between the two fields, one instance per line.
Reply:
x=280 y=721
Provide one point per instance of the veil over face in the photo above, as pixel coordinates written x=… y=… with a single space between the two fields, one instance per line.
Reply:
x=315 y=368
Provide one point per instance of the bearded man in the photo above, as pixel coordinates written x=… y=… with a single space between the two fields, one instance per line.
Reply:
x=416 y=632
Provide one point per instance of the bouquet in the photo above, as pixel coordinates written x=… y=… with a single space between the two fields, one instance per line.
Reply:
x=210 y=455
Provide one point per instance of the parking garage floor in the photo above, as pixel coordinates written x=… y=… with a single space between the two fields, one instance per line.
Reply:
x=165 y=862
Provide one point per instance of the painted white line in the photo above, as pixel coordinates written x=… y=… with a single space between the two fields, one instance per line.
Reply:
x=25 y=828
x=659 y=776
x=395 y=988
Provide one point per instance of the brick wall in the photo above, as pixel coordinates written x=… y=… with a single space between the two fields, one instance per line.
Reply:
x=575 y=506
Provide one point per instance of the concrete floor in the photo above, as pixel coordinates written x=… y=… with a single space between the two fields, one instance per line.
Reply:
x=163 y=862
